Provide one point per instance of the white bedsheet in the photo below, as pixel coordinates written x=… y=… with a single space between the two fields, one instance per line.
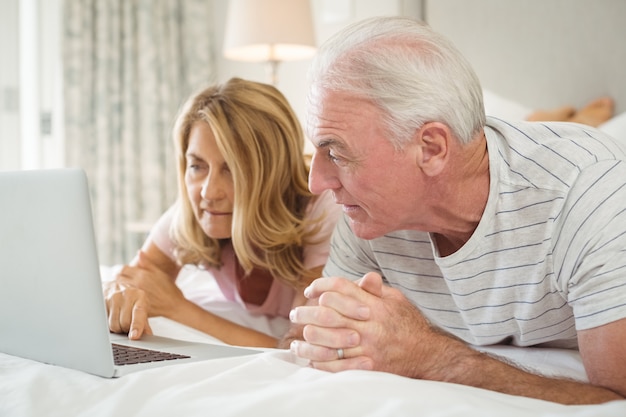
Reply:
x=271 y=383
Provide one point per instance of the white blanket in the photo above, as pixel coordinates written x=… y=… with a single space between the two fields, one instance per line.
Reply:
x=271 y=383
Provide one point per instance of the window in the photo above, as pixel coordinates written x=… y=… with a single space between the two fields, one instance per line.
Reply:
x=31 y=106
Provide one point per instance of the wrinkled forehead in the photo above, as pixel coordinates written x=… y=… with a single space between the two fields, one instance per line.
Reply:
x=334 y=107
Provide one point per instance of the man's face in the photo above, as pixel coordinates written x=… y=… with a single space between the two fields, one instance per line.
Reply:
x=377 y=185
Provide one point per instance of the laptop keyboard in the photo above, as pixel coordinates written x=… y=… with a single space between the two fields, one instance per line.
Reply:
x=128 y=355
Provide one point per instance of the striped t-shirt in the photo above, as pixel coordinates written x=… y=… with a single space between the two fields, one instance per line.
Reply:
x=547 y=258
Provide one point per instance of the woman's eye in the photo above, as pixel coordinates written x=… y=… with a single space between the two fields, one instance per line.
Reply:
x=194 y=168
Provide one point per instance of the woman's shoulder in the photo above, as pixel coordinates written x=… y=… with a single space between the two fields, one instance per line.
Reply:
x=160 y=233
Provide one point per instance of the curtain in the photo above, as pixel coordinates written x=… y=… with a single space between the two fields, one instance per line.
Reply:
x=128 y=66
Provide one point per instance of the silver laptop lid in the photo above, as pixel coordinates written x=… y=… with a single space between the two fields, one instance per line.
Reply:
x=51 y=304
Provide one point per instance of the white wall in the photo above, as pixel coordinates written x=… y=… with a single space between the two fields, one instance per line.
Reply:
x=542 y=54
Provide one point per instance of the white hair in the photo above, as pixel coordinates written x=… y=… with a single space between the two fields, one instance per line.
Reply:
x=413 y=74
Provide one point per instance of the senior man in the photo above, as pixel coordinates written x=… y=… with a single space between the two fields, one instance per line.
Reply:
x=459 y=229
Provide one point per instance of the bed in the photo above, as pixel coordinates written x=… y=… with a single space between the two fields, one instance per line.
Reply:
x=270 y=383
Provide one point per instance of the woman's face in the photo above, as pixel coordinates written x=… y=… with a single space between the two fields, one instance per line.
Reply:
x=209 y=182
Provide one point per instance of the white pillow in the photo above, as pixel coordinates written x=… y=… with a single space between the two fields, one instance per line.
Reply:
x=616 y=126
x=503 y=108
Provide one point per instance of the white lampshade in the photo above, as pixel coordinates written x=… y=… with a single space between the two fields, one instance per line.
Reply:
x=269 y=30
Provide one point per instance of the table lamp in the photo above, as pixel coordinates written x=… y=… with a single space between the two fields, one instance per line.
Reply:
x=269 y=31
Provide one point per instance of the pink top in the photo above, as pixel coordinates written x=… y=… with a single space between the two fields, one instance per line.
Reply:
x=279 y=300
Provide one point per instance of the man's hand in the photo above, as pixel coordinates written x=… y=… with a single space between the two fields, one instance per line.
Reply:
x=375 y=325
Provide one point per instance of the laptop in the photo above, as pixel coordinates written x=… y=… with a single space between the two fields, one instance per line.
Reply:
x=52 y=307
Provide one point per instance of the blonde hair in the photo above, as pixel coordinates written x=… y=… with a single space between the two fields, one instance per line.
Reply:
x=262 y=142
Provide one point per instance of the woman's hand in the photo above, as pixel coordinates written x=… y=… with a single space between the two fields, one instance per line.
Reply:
x=141 y=290
x=157 y=286
x=127 y=310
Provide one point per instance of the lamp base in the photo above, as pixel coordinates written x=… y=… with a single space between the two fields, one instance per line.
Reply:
x=272 y=71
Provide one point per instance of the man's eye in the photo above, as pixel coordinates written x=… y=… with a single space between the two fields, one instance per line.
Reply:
x=333 y=158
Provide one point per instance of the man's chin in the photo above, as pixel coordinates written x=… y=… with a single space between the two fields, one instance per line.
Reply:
x=364 y=230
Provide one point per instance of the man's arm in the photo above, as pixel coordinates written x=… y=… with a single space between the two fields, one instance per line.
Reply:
x=462 y=365
x=379 y=329
x=603 y=350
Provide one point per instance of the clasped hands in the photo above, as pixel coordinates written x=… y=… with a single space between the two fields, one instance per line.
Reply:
x=371 y=325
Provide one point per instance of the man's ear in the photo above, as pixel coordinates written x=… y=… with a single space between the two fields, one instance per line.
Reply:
x=432 y=140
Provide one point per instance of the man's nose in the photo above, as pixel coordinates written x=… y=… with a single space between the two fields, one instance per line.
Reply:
x=322 y=175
